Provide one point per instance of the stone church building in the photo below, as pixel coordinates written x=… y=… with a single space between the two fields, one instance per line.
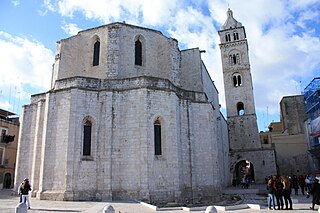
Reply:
x=131 y=116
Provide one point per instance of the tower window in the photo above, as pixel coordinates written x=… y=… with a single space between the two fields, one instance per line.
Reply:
x=138 y=53
x=228 y=38
x=234 y=59
x=237 y=80
x=240 y=108
x=235 y=36
x=96 y=53
x=157 y=137
x=87 y=128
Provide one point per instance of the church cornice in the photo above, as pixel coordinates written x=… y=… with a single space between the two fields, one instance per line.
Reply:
x=230 y=29
x=233 y=44
x=152 y=83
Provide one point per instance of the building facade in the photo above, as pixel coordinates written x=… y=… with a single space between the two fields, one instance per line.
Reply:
x=9 y=129
x=247 y=157
x=312 y=103
x=128 y=116
x=288 y=137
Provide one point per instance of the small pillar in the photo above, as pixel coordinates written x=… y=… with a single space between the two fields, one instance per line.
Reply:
x=108 y=209
x=211 y=209
x=21 y=208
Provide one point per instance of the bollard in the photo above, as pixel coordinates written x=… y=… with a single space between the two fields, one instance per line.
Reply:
x=21 y=208
x=211 y=209
x=108 y=209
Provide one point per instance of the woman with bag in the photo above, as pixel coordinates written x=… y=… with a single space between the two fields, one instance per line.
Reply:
x=24 y=189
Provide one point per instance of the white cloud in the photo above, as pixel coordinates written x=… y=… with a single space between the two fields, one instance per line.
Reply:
x=283 y=36
x=46 y=7
x=25 y=66
x=70 y=29
x=15 y=2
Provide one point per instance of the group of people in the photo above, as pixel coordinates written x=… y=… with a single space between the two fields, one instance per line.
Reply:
x=280 y=188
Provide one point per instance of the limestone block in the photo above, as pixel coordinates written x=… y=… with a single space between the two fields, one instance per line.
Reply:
x=21 y=208
x=211 y=209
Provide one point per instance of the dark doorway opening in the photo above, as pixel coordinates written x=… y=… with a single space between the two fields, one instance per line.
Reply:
x=7 y=181
x=244 y=173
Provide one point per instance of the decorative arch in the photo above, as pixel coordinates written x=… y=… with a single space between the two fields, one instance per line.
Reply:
x=157 y=136
x=139 y=50
x=240 y=108
x=87 y=136
x=96 y=51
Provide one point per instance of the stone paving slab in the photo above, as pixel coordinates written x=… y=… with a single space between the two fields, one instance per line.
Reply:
x=8 y=202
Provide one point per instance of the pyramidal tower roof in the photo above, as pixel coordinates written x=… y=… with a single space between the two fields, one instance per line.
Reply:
x=230 y=22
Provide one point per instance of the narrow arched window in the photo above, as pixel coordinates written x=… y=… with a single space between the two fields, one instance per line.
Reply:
x=96 y=53
x=235 y=83
x=238 y=58
x=138 y=53
x=234 y=59
x=240 y=108
x=239 y=80
x=228 y=38
x=235 y=36
x=157 y=137
x=87 y=128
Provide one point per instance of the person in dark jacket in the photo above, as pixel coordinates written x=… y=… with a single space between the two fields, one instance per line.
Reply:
x=286 y=191
x=278 y=193
x=302 y=183
x=315 y=192
x=295 y=184
x=23 y=190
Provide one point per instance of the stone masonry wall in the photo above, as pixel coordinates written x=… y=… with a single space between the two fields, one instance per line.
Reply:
x=123 y=151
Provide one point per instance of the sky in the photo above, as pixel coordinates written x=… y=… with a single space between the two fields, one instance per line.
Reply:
x=283 y=38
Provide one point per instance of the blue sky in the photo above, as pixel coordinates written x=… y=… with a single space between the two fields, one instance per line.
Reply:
x=283 y=37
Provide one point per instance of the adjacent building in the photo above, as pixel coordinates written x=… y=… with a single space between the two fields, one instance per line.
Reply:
x=288 y=137
x=312 y=102
x=9 y=129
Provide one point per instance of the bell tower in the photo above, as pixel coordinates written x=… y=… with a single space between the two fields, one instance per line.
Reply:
x=241 y=114
x=247 y=158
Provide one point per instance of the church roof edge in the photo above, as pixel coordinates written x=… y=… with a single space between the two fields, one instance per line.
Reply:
x=116 y=24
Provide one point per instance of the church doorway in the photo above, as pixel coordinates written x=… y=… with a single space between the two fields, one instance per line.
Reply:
x=7 y=181
x=244 y=172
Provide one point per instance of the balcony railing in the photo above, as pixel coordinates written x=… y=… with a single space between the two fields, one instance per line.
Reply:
x=7 y=139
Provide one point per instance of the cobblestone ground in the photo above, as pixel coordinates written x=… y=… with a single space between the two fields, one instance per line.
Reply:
x=9 y=200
